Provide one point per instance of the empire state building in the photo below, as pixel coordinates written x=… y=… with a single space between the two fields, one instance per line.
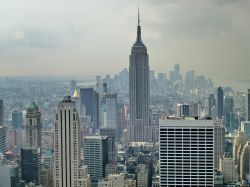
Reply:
x=140 y=128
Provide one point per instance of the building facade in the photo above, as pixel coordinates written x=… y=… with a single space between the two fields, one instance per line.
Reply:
x=32 y=126
x=66 y=145
x=95 y=151
x=186 y=152
x=89 y=105
x=3 y=146
x=220 y=103
x=1 y=113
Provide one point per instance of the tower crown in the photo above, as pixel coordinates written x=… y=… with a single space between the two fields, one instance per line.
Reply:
x=138 y=38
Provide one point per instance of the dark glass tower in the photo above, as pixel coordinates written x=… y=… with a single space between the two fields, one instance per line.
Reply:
x=220 y=102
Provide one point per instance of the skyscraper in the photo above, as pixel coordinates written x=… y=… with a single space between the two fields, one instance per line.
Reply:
x=95 y=151
x=248 y=105
x=182 y=110
x=1 y=113
x=229 y=112
x=31 y=151
x=186 y=152
x=3 y=147
x=111 y=109
x=220 y=103
x=219 y=143
x=31 y=165
x=211 y=104
x=139 y=91
x=32 y=126
x=67 y=161
x=89 y=105
x=17 y=119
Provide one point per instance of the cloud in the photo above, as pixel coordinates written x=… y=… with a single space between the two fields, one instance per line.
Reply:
x=94 y=37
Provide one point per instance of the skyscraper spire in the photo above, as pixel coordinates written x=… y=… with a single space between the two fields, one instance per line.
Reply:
x=138 y=39
x=138 y=16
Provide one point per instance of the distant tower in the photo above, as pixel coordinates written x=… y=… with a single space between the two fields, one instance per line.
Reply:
x=1 y=113
x=33 y=126
x=211 y=104
x=139 y=91
x=31 y=152
x=219 y=143
x=17 y=119
x=248 y=105
x=89 y=103
x=220 y=102
x=66 y=144
x=111 y=109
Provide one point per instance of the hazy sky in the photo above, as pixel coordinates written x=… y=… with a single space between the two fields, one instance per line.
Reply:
x=89 y=37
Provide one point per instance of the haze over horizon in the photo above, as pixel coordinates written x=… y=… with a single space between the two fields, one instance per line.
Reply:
x=95 y=37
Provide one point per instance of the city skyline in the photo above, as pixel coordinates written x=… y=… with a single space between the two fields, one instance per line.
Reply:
x=204 y=33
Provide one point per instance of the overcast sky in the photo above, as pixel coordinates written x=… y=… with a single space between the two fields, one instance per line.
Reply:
x=89 y=37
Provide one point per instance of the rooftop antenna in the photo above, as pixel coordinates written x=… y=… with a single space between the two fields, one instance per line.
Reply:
x=138 y=16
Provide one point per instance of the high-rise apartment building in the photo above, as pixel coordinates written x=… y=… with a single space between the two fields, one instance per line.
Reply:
x=1 y=113
x=67 y=161
x=220 y=103
x=140 y=128
x=186 y=152
x=95 y=151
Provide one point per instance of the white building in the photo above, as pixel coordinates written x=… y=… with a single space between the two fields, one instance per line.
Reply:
x=228 y=168
x=186 y=152
x=182 y=110
x=66 y=144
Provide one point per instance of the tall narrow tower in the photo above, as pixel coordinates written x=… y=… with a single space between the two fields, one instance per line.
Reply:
x=140 y=129
x=66 y=144
x=33 y=127
x=31 y=151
